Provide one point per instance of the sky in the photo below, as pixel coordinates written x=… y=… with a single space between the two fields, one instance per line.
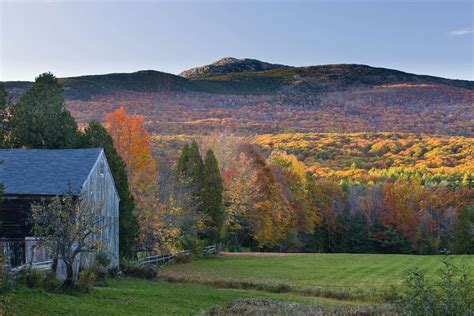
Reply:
x=72 y=38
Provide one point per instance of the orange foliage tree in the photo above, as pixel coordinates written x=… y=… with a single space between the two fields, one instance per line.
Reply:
x=133 y=144
x=405 y=202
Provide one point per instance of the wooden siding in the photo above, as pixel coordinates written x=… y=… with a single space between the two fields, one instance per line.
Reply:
x=101 y=192
x=99 y=189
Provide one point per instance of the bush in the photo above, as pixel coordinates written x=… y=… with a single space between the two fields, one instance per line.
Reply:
x=133 y=269
x=453 y=294
x=101 y=273
x=51 y=283
x=114 y=272
x=32 y=278
x=194 y=245
x=37 y=279
x=6 y=280
x=6 y=306
x=182 y=258
x=86 y=280
x=102 y=259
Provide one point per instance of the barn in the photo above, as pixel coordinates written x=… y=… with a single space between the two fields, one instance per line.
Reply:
x=36 y=175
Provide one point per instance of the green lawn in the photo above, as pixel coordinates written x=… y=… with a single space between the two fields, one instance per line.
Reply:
x=332 y=272
x=307 y=271
x=139 y=297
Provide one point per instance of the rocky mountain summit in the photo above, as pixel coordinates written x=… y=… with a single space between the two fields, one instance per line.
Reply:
x=230 y=65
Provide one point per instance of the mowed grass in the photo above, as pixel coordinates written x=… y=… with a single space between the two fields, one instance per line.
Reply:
x=130 y=296
x=308 y=271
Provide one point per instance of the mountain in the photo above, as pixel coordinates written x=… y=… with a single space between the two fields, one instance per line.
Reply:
x=229 y=65
x=87 y=87
x=241 y=77
x=248 y=96
x=314 y=79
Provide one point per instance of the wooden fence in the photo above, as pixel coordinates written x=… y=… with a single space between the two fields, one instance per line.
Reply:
x=161 y=260
x=43 y=266
x=157 y=260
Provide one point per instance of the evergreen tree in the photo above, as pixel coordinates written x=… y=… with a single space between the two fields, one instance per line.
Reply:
x=4 y=101
x=190 y=168
x=464 y=231
x=212 y=196
x=204 y=180
x=41 y=120
x=181 y=165
x=95 y=135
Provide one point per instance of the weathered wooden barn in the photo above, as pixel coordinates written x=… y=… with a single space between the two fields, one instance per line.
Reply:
x=35 y=175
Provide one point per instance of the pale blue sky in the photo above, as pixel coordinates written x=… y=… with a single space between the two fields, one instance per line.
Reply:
x=91 y=37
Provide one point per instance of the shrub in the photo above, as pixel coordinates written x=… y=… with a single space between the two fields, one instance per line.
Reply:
x=114 y=272
x=6 y=280
x=194 y=245
x=453 y=294
x=182 y=258
x=32 y=278
x=51 y=283
x=6 y=307
x=86 y=280
x=101 y=274
x=133 y=269
x=102 y=259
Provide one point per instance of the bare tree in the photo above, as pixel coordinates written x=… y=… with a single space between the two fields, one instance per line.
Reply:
x=68 y=226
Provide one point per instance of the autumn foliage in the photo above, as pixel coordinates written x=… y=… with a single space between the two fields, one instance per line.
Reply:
x=364 y=192
x=360 y=192
x=132 y=142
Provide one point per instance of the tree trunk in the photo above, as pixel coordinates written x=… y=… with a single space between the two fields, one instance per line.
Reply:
x=54 y=265
x=69 y=281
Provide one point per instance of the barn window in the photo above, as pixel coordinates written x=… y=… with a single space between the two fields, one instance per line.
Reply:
x=102 y=168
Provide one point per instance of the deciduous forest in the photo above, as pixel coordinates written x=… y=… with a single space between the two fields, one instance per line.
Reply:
x=238 y=157
x=376 y=192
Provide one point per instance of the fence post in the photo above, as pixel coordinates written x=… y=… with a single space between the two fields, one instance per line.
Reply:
x=2 y=263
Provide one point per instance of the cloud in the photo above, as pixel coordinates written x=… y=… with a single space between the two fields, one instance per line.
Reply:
x=461 y=32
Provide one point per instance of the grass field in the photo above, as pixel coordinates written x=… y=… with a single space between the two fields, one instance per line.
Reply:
x=209 y=283
x=308 y=271
x=130 y=296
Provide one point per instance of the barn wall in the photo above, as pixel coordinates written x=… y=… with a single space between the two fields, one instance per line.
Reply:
x=100 y=190
x=15 y=226
x=15 y=214
x=14 y=218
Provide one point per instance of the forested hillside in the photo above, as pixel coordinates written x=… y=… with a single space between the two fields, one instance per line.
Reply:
x=356 y=192
x=249 y=96
x=371 y=157
x=337 y=158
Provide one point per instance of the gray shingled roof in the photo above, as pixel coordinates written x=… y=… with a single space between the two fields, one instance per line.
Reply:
x=46 y=171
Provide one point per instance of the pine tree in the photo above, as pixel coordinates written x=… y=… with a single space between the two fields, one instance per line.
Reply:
x=212 y=196
x=464 y=231
x=181 y=165
x=95 y=135
x=41 y=120
x=3 y=115
x=205 y=182
x=190 y=167
x=195 y=165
